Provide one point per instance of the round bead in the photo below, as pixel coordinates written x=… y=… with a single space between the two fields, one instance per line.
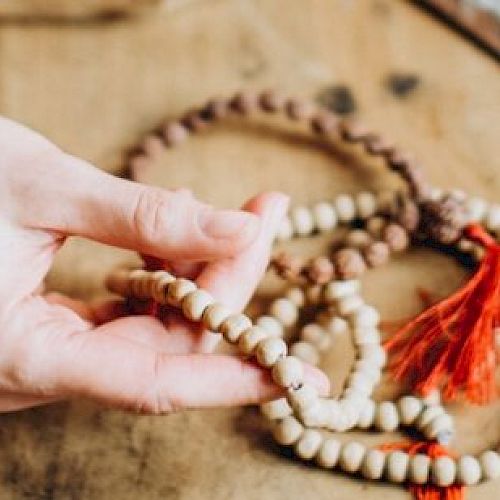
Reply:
x=420 y=465
x=428 y=415
x=396 y=237
x=397 y=466
x=306 y=352
x=373 y=464
x=432 y=399
x=277 y=409
x=250 y=339
x=285 y=230
x=298 y=109
x=178 y=290
x=493 y=218
x=214 y=315
x=376 y=254
x=374 y=354
x=175 y=133
x=349 y=305
x=490 y=464
x=439 y=428
x=366 y=204
x=375 y=226
x=336 y=325
x=475 y=209
x=349 y=263
x=361 y=383
x=272 y=101
x=328 y=453
x=385 y=201
x=234 y=326
x=315 y=335
x=346 y=209
x=272 y=326
x=160 y=288
x=357 y=238
x=296 y=295
x=244 y=102
x=195 y=303
x=325 y=217
x=308 y=444
x=285 y=311
x=367 y=415
x=270 y=350
x=302 y=221
x=366 y=336
x=314 y=294
x=444 y=471
x=351 y=456
x=301 y=397
x=386 y=416
x=321 y=270
x=365 y=317
x=153 y=145
x=336 y=290
x=288 y=371
x=409 y=409
x=468 y=470
x=288 y=431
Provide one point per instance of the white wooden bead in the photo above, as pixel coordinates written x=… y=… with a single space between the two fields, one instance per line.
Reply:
x=374 y=354
x=272 y=326
x=350 y=411
x=296 y=295
x=375 y=227
x=366 y=204
x=285 y=230
x=356 y=398
x=195 y=303
x=329 y=453
x=361 y=383
x=444 y=471
x=397 y=466
x=315 y=415
x=432 y=399
x=178 y=290
x=409 y=409
x=367 y=415
x=269 y=350
x=251 y=338
x=277 y=409
x=306 y=352
x=308 y=444
x=366 y=336
x=162 y=282
x=428 y=415
x=302 y=397
x=365 y=316
x=336 y=290
x=373 y=464
x=369 y=369
x=436 y=194
x=234 y=326
x=493 y=217
x=439 y=428
x=288 y=431
x=468 y=470
x=351 y=456
x=386 y=416
x=285 y=311
x=490 y=464
x=214 y=315
x=348 y=305
x=302 y=221
x=420 y=466
x=458 y=194
x=288 y=371
x=315 y=335
x=325 y=217
x=336 y=325
x=476 y=209
x=345 y=207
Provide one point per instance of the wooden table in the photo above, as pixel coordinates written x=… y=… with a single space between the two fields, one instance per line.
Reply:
x=95 y=87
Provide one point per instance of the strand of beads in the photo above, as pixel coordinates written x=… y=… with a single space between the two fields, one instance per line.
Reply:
x=270 y=351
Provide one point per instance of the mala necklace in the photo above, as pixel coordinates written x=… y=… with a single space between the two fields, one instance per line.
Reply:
x=448 y=349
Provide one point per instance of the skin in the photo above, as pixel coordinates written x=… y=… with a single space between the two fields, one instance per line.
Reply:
x=54 y=347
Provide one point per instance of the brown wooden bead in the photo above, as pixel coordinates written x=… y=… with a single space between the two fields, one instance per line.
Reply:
x=153 y=145
x=175 y=133
x=244 y=102
x=407 y=213
x=376 y=145
x=324 y=123
x=299 y=109
x=396 y=237
x=376 y=254
x=194 y=121
x=288 y=266
x=353 y=131
x=398 y=160
x=272 y=101
x=349 y=263
x=216 y=109
x=321 y=270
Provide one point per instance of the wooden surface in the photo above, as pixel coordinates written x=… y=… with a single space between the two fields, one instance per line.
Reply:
x=95 y=87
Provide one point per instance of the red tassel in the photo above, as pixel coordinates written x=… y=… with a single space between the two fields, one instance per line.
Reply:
x=428 y=491
x=452 y=344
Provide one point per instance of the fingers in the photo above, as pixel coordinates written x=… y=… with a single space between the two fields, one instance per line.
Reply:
x=153 y=221
x=16 y=402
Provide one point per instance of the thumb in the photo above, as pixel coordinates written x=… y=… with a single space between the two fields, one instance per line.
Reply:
x=150 y=220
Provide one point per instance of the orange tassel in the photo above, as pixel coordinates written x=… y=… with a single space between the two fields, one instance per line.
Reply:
x=428 y=491
x=452 y=344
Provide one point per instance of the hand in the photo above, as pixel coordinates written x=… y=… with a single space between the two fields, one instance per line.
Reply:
x=53 y=347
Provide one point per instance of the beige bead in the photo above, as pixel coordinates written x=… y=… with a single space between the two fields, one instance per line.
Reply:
x=345 y=207
x=385 y=201
x=432 y=399
x=288 y=431
x=428 y=415
x=269 y=350
x=277 y=409
x=214 y=315
x=357 y=238
x=373 y=464
x=367 y=415
x=366 y=204
x=308 y=444
x=493 y=218
x=468 y=470
x=365 y=316
x=302 y=221
x=336 y=325
x=336 y=290
x=397 y=466
x=306 y=352
x=175 y=133
x=288 y=371
x=178 y=290
x=440 y=428
x=444 y=470
x=250 y=339
x=325 y=217
x=301 y=397
x=375 y=226
x=377 y=254
x=409 y=409
x=234 y=326
x=329 y=453
x=351 y=456
x=195 y=303
x=285 y=230
x=386 y=416
x=349 y=305
x=374 y=354
x=138 y=278
x=296 y=295
x=315 y=335
x=361 y=383
x=314 y=294
x=366 y=336
x=419 y=469
x=490 y=464
x=475 y=209
x=396 y=237
x=349 y=263
x=315 y=415
x=162 y=280
x=285 y=311
x=368 y=368
x=272 y=326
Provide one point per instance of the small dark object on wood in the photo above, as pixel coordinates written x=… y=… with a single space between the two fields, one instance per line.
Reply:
x=402 y=84
x=338 y=98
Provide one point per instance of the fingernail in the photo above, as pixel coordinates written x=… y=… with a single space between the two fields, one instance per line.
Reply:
x=227 y=223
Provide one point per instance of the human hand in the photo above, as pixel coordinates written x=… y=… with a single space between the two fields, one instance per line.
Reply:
x=53 y=347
